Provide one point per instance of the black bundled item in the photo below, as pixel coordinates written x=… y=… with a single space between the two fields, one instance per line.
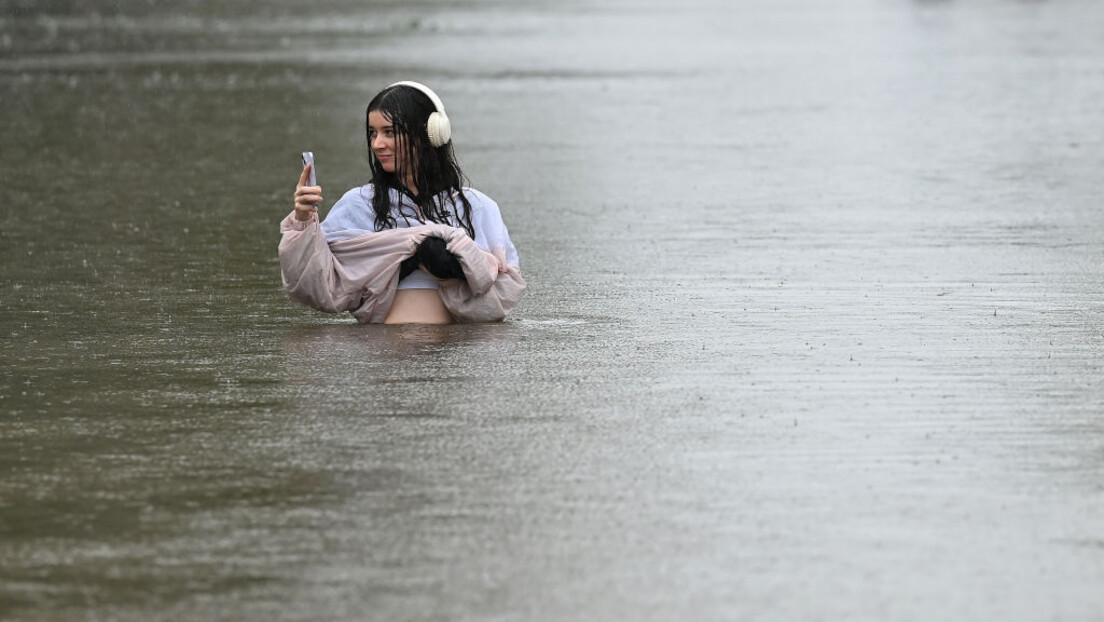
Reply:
x=435 y=258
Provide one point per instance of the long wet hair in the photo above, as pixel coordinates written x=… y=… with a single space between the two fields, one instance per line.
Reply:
x=436 y=176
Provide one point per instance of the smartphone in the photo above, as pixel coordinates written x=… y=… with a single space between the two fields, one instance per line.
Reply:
x=308 y=158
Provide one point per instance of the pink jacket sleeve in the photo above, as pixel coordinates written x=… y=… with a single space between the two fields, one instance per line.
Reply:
x=357 y=275
x=360 y=275
x=491 y=289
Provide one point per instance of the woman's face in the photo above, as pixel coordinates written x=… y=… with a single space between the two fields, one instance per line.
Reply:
x=384 y=142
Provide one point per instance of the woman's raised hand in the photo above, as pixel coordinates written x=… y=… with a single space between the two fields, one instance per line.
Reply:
x=307 y=197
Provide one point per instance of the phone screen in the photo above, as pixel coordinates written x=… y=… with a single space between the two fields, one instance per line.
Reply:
x=308 y=158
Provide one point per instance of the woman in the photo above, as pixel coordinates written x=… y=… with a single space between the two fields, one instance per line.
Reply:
x=412 y=245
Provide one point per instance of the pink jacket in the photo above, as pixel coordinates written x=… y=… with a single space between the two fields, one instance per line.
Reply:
x=360 y=275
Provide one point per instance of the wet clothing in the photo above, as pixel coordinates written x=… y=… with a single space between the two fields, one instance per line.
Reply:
x=344 y=264
x=433 y=257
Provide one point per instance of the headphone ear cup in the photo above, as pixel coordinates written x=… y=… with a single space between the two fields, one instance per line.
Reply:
x=439 y=129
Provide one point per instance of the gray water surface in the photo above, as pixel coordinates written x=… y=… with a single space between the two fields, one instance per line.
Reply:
x=815 y=325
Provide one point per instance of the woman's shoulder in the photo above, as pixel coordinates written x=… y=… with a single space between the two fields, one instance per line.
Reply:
x=352 y=211
x=360 y=195
x=355 y=199
x=480 y=202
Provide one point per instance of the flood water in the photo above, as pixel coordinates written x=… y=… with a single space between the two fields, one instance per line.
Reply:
x=814 y=327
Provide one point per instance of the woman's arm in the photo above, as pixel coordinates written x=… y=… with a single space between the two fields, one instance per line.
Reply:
x=492 y=305
x=314 y=276
x=491 y=287
x=308 y=268
x=358 y=275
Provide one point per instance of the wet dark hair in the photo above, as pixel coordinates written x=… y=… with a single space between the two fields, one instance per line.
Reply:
x=436 y=176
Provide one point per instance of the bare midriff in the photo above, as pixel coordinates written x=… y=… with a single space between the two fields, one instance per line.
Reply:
x=417 y=306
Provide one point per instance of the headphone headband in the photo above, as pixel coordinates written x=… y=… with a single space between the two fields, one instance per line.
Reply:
x=438 y=126
x=425 y=89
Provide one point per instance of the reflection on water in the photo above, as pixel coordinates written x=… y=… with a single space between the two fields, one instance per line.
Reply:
x=399 y=340
x=812 y=327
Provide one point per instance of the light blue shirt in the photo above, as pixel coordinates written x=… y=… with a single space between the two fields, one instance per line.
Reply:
x=352 y=216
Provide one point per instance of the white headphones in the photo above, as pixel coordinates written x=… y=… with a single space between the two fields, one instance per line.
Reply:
x=438 y=126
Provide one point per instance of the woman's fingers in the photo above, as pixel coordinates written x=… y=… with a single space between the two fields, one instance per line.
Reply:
x=308 y=196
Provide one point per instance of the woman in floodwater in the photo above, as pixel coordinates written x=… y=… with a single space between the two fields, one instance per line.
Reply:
x=412 y=245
